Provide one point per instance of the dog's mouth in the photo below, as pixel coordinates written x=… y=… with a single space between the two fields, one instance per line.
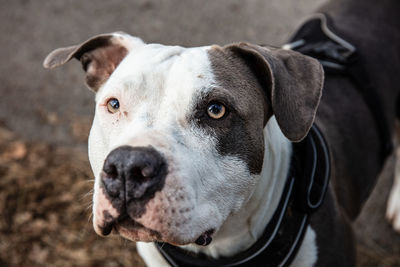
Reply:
x=128 y=224
x=122 y=222
x=125 y=225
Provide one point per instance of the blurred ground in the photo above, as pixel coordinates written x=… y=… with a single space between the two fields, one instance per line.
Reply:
x=45 y=119
x=45 y=201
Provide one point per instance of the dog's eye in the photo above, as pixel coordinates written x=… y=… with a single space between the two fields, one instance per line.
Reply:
x=216 y=110
x=113 y=105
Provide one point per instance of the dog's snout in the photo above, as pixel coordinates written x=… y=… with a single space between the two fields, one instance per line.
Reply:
x=133 y=173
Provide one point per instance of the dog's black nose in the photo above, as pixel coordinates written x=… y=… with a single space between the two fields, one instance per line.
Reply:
x=133 y=173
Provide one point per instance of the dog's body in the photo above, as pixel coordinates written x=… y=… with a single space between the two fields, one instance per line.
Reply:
x=222 y=177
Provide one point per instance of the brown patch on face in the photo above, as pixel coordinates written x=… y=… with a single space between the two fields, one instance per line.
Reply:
x=240 y=132
x=100 y=63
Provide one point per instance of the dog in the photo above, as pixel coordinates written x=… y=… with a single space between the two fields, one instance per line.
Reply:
x=192 y=146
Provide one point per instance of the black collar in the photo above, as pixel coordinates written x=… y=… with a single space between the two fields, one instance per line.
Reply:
x=303 y=194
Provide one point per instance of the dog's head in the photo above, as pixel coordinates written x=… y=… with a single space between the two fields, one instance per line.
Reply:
x=177 y=142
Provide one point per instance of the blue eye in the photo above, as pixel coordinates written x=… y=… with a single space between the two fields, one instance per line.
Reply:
x=113 y=105
x=216 y=110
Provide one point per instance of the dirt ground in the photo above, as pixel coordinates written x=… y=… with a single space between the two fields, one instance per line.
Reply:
x=45 y=201
x=45 y=178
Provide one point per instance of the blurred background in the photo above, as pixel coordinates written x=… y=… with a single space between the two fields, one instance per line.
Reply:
x=45 y=117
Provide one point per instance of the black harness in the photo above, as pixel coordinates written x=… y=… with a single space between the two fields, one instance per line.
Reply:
x=317 y=38
x=308 y=178
x=303 y=194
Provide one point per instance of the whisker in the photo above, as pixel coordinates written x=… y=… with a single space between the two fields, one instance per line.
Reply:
x=89 y=207
x=90 y=217
x=90 y=193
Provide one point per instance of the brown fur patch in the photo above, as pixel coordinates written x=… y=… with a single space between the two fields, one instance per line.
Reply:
x=102 y=63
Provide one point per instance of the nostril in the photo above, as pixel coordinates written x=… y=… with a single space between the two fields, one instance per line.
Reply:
x=110 y=179
x=142 y=173
x=139 y=180
x=112 y=185
x=148 y=171
x=110 y=170
x=136 y=174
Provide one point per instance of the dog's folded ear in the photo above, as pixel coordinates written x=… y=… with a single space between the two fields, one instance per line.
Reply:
x=99 y=55
x=291 y=81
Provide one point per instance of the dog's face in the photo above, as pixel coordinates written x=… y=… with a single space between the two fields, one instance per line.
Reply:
x=208 y=140
x=177 y=141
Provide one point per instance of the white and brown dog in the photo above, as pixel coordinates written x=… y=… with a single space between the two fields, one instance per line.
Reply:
x=190 y=145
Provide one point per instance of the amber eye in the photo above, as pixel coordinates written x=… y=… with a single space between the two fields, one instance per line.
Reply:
x=113 y=105
x=216 y=110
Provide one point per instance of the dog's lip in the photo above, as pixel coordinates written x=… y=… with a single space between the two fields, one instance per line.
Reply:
x=122 y=222
x=127 y=223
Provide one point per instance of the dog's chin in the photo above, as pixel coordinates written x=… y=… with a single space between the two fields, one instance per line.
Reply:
x=135 y=231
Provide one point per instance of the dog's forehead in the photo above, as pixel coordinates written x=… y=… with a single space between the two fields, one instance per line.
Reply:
x=163 y=71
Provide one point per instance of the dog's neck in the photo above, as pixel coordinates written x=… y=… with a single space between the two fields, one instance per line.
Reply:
x=242 y=229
